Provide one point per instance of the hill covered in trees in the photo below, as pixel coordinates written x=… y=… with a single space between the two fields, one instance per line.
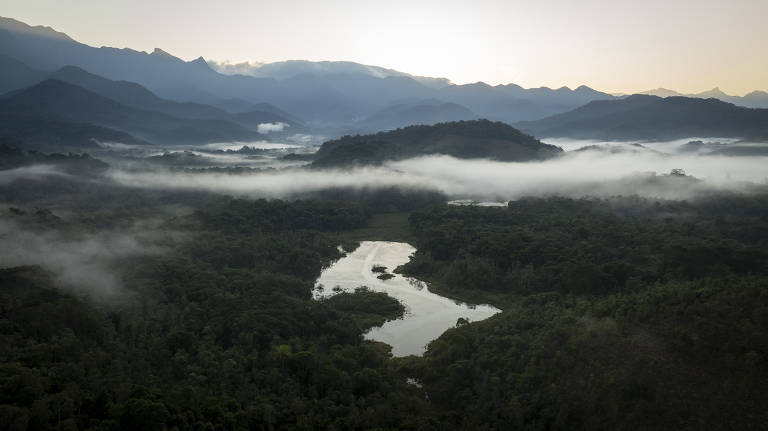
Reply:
x=462 y=139
x=652 y=117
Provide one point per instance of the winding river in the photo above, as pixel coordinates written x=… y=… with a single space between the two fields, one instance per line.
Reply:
x=427 y=315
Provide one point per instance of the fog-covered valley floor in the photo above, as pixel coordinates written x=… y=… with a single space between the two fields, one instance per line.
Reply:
x=587 y=168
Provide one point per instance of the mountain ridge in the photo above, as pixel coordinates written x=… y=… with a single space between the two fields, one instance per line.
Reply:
x=64 y=102
x=332 y=99
x=644 y=117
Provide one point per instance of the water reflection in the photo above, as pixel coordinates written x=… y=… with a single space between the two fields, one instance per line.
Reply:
x=427 y=315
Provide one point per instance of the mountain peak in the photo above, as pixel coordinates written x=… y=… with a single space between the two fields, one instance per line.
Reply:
x=200 y=61
x=715 y=92
x=15 y=26
x=757 y=93
x=661 y=92
x=160 y=53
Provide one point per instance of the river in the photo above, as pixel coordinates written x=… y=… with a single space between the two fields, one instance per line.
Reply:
x=427 y=315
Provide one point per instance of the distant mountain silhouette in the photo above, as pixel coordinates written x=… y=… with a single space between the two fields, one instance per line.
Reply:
x=425 y=112
x=290 y=68
x=238 y=106
x=755 y=99
x=44 y=132
x=463 y=139
x=322 y=93
x=14 y=74
x=641 y=117
x=661 y=92
x=136 y=96
x=61 y=102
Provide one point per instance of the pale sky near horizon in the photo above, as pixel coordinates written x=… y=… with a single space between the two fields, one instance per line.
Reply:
x=614 y=46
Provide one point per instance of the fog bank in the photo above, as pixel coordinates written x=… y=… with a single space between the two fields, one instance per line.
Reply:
x=84 y=263
x=576 y=174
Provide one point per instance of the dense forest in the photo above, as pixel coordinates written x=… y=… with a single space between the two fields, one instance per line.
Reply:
x=220 y=332
x=460 y=139
x=619 y=313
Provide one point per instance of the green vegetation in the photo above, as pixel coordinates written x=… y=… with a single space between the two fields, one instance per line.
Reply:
x=462 y=139
x=365 y=307
x=221 y=331
x=619 y=313
x=589 y=247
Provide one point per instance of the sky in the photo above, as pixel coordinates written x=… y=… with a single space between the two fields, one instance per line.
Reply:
x=620 y=46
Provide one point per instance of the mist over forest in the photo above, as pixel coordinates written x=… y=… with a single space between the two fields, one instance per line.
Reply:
x=309 y=245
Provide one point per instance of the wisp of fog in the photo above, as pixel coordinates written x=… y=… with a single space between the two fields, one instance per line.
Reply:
x=576 y=174
x=265 y=128
x=83 y=263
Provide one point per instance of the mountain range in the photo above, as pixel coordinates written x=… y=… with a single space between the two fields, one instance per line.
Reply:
x=73 y=107
x=323 y=93
x=291 y=68
x=755 y=99
x=643 y=117
x=55 y=99
x=60 y=91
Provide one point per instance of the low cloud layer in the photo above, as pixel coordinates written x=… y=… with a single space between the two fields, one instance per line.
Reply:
x=27 y=173
x=84 y=263
x=243 y=68
x=588 y=173
x=265 y=128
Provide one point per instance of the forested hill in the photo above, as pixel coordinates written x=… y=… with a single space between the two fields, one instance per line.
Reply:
x=651 y=117
x=27 y=113
x=474 y=139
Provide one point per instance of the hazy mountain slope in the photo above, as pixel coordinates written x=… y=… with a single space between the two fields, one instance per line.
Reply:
x=170 y=77
x=14 y=74
x=650 y=117
x=64 y=102
x=136 y=96
x=42 y=131
x=364 y=83
x=590 y=111
x=661 y=92
x=755 y=99
x=512 y=103
x=426 y=112
x=321 y=94
x=290 y=68
x=462 y=139
x=237 y=106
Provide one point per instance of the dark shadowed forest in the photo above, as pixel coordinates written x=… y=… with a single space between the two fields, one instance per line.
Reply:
x=620 y=313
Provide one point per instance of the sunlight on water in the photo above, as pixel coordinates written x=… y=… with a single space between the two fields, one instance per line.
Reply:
x=427 y=315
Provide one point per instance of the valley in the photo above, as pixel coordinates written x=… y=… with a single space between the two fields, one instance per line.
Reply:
x=272 y=244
